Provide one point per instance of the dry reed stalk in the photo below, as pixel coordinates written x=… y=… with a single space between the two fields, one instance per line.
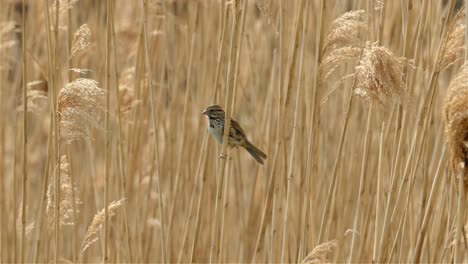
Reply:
x=235 y=37
x=121 y=158
x=2 y=155
x=215 y=97
x=189 y=219
x=156 y=147
x=301 y=29
x=176 y=192
x=44 y=191
x=301 y=229
x=368 y=137
x=419 y=134
x=15 y=190
x=25 y=135
x=313 y=135
x=458 y=256
x=269 y=212
x=202 y=180
x=224 y=206
x=269 y=189
x=54 y=157
x=377 y=204
x=107 y=154
x=429 y=209
x=56 y=71
x=338 y=158
x=403 y=118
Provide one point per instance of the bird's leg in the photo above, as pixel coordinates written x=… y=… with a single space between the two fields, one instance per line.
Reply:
x=221 y=156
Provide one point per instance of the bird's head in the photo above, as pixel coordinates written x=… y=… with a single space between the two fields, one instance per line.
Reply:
x=214 y=111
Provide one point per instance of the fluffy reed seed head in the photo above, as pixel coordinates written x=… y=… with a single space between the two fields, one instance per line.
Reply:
x=319 y=253
x=380 y=76
x=454 y=43
x=343 y=43
x=456 y=120
x=81 y=40
x=92 y=235
x=66 y=196
x=79 y=105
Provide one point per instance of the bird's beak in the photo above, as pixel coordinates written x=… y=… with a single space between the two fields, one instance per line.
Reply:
x=205 y=112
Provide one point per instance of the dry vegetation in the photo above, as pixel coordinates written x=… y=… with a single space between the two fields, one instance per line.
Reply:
x=361 y=107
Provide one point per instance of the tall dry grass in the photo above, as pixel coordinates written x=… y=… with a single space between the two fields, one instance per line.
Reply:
x=361 y=107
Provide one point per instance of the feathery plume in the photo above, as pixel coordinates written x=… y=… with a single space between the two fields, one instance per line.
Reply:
x=345 y=31
x=343 y=43
x=66 y=196
x=380 y=75
x=456 y=120
x=454 y=43
x=79 y=104
x=81 y=40
x=92 y=235
x=320 y=252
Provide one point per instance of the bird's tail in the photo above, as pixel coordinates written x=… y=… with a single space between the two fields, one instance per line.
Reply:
x=256 y=153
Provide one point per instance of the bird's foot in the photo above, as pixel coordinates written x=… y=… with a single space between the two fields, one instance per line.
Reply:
x=221 y=156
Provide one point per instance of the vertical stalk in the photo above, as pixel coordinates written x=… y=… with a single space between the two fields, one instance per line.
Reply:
x=429 y=209
x=227 y=125
x=301 y=25
x=3 y=199
x=182 y=141
x=121 y=158
x=155 y=139
x=271 y=182
x=315 y=117
x=201 y=180
x=25 y=135
x=55 y=75
x=361 y=182
x=377 y=203
x=420 y=132
x=220 y=54
x=107 y=128
x=460 y=213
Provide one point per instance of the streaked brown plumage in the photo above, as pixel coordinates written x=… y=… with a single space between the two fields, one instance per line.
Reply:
x=237 y=137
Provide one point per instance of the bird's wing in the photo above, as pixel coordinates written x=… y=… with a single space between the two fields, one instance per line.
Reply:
x=236 y=129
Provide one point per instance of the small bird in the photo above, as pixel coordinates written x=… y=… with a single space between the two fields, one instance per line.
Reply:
x=237 y=137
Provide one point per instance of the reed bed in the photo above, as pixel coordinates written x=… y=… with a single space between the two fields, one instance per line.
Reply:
x=361 y=107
